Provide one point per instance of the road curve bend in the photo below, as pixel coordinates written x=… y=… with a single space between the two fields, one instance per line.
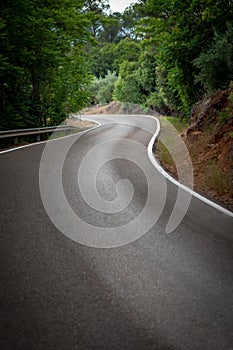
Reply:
x=86 y=260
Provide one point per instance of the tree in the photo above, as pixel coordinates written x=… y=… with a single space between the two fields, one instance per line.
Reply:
x=216 y=63
x=179 y=32
x=101 y=59
x=102 y=88
x=108 y=56
x=127 y=87
x=126 y=50
x=43 y=65
x=112 y=29
x=96 y=13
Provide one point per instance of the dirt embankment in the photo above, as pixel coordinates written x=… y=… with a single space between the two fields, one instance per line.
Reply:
x=209 y=139
x=79 y=123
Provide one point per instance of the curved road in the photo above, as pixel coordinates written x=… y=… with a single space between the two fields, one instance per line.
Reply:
x=162 y=291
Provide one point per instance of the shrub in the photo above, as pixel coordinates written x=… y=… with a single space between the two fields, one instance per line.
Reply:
x=102 y=88
x=216 y=64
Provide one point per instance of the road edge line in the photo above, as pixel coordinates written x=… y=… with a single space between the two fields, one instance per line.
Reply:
x=151 y=158
x=177 y=183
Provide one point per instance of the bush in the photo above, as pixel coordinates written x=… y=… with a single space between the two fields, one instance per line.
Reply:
x=216 y=64
x=102 y=88
x=127 y=87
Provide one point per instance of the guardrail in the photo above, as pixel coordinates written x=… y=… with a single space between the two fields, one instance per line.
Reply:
x=34 y=131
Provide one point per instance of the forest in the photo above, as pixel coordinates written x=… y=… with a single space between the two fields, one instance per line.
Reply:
x=58 y=57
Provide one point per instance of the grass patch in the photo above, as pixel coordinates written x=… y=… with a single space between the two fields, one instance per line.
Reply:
x=227 y=113
x=217 y=179
x=180 y=125
x=164 y=156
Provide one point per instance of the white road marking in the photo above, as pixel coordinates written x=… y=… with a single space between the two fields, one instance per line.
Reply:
x=151 y=158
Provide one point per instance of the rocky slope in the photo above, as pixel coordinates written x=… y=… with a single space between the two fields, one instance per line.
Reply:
x=209 y=139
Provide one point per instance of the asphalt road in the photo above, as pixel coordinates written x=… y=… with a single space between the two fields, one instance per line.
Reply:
x=162 y=291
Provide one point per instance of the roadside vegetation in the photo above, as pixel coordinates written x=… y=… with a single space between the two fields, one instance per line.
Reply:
x=160 y=149
x=58 y=57
x=209 y=140
x=164 y=55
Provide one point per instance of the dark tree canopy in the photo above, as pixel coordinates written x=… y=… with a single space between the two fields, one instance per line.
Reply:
x=43 y=74
x=162 y=54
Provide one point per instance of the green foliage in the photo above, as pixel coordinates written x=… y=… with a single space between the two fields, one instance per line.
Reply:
x=118 y=26
x=137 y=76
x=164 y=155
x=127 y=88
x=155 y=100
x=102 y=88
x=179 y=32
x=116 y=50
x=146 y=72
x=111 y=29
x=126 y=50
x=43 y=74
x=109 y=56
x=179 y=124
x=216 y=63
x=227 y=113
x=95 y=13
x=101 y=59
x=166 y=54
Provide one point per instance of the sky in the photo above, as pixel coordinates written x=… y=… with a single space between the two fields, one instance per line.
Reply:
x=119 y=5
